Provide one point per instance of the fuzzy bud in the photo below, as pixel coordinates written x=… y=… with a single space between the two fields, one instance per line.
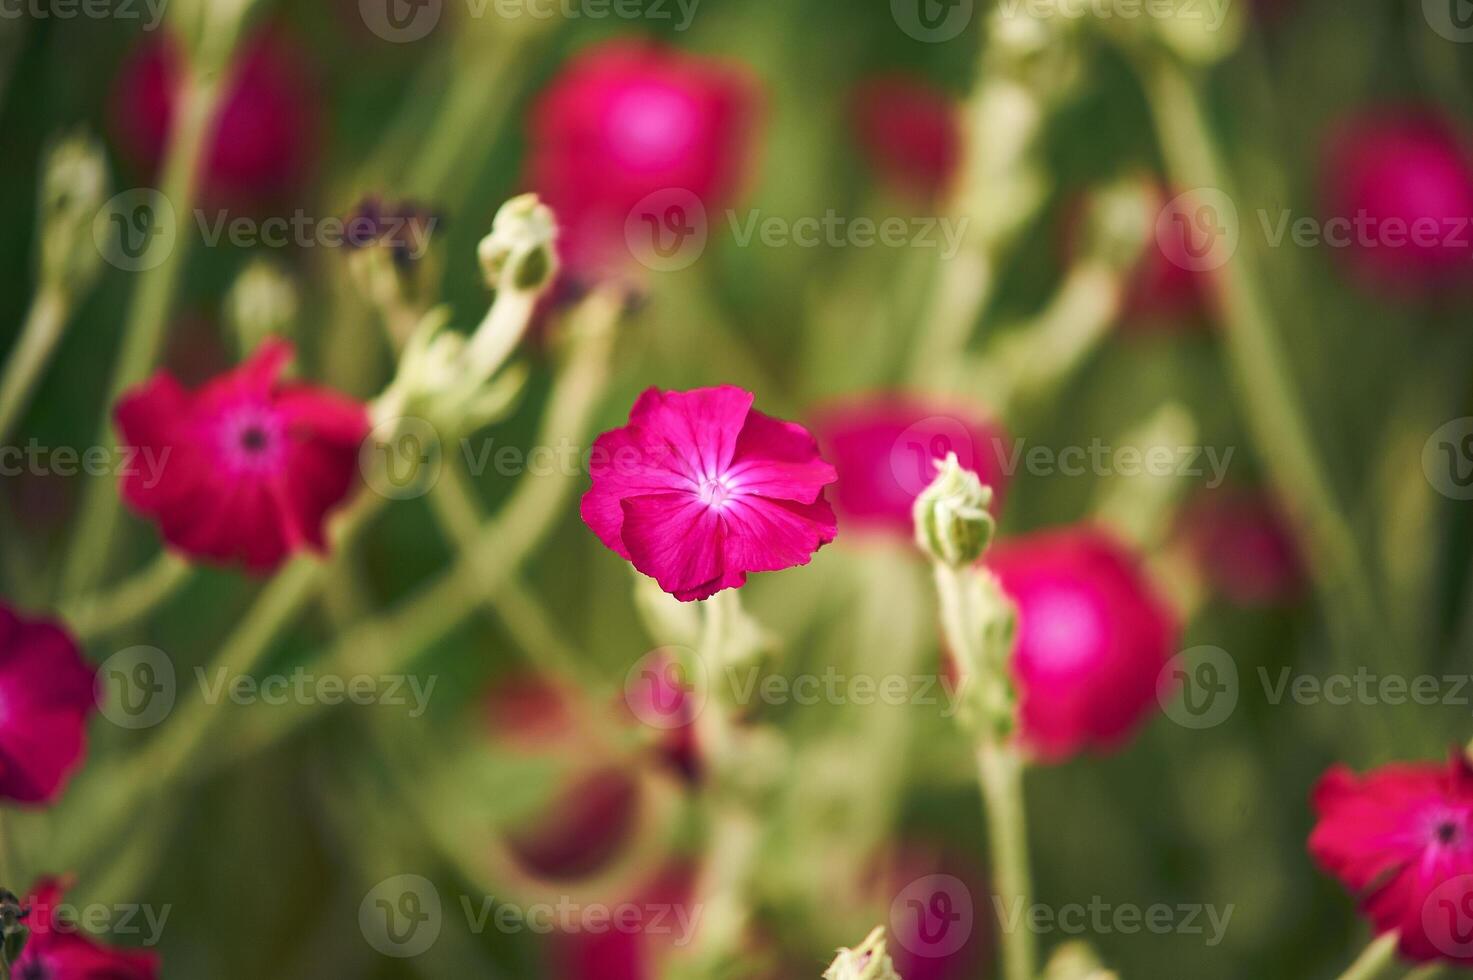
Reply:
x=1076 y=961
x=952 y=523
x=520 y=253
x=262 y=303
x=73 y=188
x=868 y=961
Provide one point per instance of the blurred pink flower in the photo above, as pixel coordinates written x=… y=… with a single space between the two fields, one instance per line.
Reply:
x=58 y=949
x=46 y=693
x=1400 y=180
x=627 y=120
x=883 y=446
x=938 y=909
x=247 y=467
x=265 y=138
x=1244 y=548
x=1401 y=839
x=910 y=133
x=1092 y=637
x=636 y=947
x=700 y=489
x=596 y=804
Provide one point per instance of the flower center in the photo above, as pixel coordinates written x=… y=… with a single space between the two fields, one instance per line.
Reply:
x=716 y=492
x=252 y=439
x=1447 y=832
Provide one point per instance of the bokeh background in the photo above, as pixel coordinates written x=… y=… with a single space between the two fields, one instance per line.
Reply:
x=1329 y=547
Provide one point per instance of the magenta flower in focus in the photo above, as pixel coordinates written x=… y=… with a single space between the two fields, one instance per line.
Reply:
x=58 y=949
x=1401 y=839
x=700 y=489
x=1092 y=637
x=884 y=448
x=265 y=140
x=627 y=125
x=1242 y=544
x=245 y=468
x=1399 y=182
x=909 y=131
x=46 y=693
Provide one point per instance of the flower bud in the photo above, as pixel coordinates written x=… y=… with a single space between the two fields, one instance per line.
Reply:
x=952 y=524
x=262 y=303
x=520 y=253
x=868 y=961
x=74 y=186
x=437 y=381
x=1076 y=961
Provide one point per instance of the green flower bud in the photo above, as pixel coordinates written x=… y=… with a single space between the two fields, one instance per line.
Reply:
x=1076 y=961
x=952 y=523
x=262 y=303
x=74 y=186
x=520 y=253
x=868 y=961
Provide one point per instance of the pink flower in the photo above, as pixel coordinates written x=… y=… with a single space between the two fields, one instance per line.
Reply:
x=700 y=489
x=1243 y=546
x=58 y=949
x=596 y=801
x=1092 y=637
x=666 y=922
x=245 y=468
x=909 y=131
x=625 y=121
x=937 y=906
x=1401 y=838
x=883 y=447
x=46 y=693
x=264 y=144
x=1400 y=180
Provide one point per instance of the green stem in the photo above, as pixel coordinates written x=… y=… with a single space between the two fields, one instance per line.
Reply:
x=45 y=323
x=147 y=321
x=1374 y=960
x=94 y=616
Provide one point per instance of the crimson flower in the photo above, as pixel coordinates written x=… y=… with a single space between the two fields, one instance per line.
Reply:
x=908 y=130
x=636 y=947
x=46 y=693
x=57 y=949
x=884 y=448
x=1240 y=541
x=1400 y=180
x=1093 y=635
x=249 y=465
x=1401 y=838
x=629 y=126
x=265 y=135
x=700 y=489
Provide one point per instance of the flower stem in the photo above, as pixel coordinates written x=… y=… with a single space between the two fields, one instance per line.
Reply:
x=93 y=616
x=45 y=322
x=147 y=320
x=1374 y=960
